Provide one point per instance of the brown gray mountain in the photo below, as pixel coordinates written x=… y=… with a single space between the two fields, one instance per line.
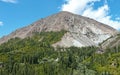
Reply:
x=113 y=41
x=82 y=31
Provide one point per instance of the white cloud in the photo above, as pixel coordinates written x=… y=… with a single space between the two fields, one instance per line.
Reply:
x=76 y=6
x=9 y=1
x=1 y=23
x=86 y=8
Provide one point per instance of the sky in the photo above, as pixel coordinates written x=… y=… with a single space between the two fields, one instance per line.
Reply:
x=16 y=14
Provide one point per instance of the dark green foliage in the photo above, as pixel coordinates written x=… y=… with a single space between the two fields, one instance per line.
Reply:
x=35 y=56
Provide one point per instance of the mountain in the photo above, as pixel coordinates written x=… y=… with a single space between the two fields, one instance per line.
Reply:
x=81 y=31
x=113 y=41
x=30 y=50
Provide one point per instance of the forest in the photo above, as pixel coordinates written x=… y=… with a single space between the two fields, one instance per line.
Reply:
x=36 y=56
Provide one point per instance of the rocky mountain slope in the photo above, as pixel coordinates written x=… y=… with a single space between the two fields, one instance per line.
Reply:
x=81 y=31
x=111 y=42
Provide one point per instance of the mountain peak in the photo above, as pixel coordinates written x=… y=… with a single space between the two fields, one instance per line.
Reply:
x=65 y=12
x=81 y=31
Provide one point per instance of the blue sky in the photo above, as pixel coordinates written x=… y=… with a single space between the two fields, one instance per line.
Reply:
x=19 y=13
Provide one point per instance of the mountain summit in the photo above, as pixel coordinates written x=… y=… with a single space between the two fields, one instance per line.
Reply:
x=81 y=31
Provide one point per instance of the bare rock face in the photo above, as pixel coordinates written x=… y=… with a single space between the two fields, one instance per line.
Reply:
x=111 y=42
x=81 y=31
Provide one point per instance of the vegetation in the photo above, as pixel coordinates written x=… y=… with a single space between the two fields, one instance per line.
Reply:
x=35 y=56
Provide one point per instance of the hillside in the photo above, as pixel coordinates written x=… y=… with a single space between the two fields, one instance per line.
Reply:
x=61 y=44
x=36 y=56
x=113 y=41
x=81 y=31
